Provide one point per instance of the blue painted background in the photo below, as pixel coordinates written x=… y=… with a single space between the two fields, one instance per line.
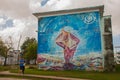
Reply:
x=85 y=26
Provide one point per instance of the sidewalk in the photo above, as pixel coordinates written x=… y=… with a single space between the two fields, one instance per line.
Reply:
x=39 y=76
x=11 y=79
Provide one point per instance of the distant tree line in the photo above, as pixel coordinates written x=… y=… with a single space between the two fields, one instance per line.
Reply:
x=28 y=50
x=4 y=48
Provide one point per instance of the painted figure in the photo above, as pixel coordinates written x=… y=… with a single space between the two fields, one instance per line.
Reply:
x=69 y=43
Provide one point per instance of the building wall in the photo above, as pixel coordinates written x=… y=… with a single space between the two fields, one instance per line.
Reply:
x=117 y=57
x=109 y=61
x=70 y=41
x=2 y=59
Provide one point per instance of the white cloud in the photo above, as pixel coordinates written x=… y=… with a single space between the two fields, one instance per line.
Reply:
x=67 y=4
x=34 y=5
x=5 y=22
x=24 y=27
x=2 y=21
x=59 y=4
x=14 y=32
x=85 y=3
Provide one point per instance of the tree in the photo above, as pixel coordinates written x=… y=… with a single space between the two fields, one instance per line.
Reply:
x=29 y=49
x=4 y=50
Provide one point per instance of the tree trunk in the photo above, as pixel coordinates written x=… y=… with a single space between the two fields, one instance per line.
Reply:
x=5 y=61
x=27 y=61
x=35 y=61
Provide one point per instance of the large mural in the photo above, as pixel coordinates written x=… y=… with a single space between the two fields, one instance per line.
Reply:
x=70 y=42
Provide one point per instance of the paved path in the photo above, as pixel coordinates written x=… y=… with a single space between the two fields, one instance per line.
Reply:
x=39 y=76
x=11 y=79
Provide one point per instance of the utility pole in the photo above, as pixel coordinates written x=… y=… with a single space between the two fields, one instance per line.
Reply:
x=18 y=53
x=19 y=42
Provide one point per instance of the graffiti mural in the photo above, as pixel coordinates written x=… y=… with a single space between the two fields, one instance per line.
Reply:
x=70 y=42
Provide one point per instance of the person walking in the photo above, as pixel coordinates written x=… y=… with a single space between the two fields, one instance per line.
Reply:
x=22 y=65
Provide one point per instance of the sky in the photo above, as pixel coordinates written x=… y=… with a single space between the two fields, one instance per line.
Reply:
x=16 y=16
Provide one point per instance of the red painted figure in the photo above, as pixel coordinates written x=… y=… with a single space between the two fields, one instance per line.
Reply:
x=69 y=43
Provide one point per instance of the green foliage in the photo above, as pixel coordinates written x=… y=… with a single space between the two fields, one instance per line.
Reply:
x=118 y=67
x=29 y=49
x=3 y=49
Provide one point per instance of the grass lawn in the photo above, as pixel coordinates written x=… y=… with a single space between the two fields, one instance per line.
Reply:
x=4 y=68
x=79 y=74
x=76 y=74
